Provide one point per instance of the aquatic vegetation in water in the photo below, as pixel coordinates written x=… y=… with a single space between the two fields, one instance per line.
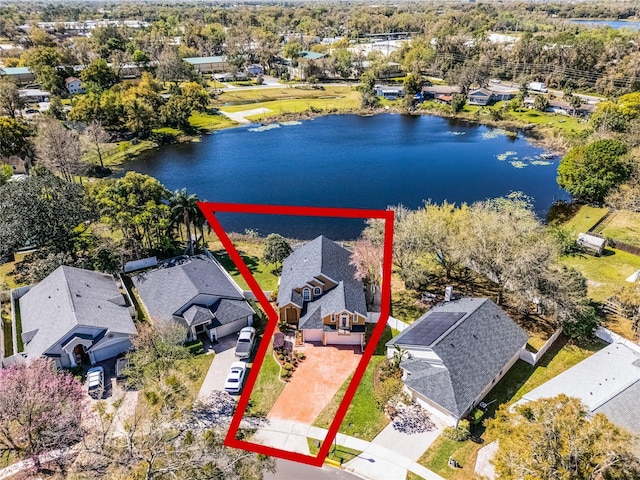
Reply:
x=541 y=162
x=495 y=133
x=290 y=123
x=455 y=133
x=503 y=156
x=518 y=164
x=264 y=128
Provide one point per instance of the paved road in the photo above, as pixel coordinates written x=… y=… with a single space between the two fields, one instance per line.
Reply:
x=298 y=471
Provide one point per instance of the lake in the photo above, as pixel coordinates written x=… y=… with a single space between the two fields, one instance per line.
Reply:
x=608 y=23
x=355 y=162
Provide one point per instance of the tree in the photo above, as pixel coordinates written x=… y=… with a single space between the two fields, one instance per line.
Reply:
x=540 y=103
x=184 y=211
x=172 y=68
x=98 y=136
x=58 y=148
x=44 y=210
x=555 y=438
x=276 y=249
x=292 y=51
x=10 y=100
x=41 y=409
x=458 y=102
x=156 y=349
x=99 y=73
x=574 y=100
x=590 y=172
x=368 y=97
x=506 y=243
x=15 y=138
x=367 y=259
x=6 y=172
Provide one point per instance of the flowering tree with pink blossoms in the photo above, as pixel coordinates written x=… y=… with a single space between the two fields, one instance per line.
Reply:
x=41 y=409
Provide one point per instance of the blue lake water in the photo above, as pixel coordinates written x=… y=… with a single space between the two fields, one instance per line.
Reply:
x=609 y=23
x=354 y=162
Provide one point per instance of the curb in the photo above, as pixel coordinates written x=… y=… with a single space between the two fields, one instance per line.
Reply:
x=333 y=463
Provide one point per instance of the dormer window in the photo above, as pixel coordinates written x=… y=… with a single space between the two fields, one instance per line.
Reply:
x=317 y=292
x=306 y=294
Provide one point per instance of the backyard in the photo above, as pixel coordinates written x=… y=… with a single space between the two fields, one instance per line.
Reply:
x=520 y=379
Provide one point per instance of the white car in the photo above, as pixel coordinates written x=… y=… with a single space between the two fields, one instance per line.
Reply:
x=235 y=379
x=246 y=339
x=95 y=382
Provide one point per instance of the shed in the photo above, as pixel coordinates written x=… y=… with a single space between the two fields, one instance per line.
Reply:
x=592 y=243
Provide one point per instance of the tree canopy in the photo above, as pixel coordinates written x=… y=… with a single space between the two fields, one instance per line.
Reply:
x=589 y=172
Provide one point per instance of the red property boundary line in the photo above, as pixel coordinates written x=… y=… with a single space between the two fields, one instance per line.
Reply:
x=209 y=209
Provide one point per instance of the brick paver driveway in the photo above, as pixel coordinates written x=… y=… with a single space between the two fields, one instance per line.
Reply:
x=315 y=381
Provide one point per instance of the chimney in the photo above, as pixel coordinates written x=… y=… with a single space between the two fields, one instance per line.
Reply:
x=448 y=293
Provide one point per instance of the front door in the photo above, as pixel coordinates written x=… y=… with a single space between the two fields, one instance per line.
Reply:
x=344 y=321
x=80 y=355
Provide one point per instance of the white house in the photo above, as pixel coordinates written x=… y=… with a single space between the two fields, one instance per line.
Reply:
x=74 y=85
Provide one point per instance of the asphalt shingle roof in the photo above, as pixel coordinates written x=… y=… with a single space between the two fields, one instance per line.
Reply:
x=165 y=291
x=69 y=297
x=321 y=257
x=227 y=311
x=624 y=408
x=473 y=352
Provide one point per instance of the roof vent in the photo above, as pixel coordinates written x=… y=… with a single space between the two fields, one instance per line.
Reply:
x=448 y=293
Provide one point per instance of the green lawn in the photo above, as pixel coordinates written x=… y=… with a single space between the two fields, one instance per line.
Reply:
x=210 y=121
x=623 y=226
x=564 y=123
x=267 y=388
x=520 y=379
x=115 y=154
x=195 y=369
x=338 y=453
x=413 y=476
x=7 y=331
x=260 y=270
x=363 y=413
x=607 y=273
x=585 y=218
x=6 y=275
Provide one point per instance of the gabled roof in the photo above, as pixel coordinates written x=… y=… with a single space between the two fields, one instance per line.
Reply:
x=67 y=298
x=481 y=91
x=227 y=311
x=169 y=289
x=69 y=80
x=473 y=350
x=196 y=314
x=322 y=258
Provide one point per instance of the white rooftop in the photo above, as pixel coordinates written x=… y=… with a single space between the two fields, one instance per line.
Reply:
x=595 y=380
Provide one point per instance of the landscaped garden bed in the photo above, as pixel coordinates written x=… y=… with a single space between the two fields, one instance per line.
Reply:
x=287 y=357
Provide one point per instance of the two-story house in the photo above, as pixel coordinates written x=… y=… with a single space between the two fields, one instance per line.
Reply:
x=455 y=353
x=197 y=293
x=320 y=295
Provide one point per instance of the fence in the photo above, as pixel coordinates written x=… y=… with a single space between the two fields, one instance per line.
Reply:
x=617 y=244
x=533 y=358
x=611 y=337
x=396 y=324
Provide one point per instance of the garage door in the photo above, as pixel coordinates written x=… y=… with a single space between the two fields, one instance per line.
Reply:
x=229 y=328
x=313 y=335
x=334 y=338
x=112 y=350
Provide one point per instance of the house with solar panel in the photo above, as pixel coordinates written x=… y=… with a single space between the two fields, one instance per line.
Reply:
x=320 y=296
x=455 y=353
x=197 y=293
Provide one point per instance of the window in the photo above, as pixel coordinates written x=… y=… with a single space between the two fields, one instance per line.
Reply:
x=333 y=318
x=317 y=291
x=306 y=294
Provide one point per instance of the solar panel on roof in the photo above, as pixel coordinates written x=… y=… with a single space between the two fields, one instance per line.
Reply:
x=431 y=328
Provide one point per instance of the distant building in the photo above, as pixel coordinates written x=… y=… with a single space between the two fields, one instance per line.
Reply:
x=20 y=75
x=74 y=85
x=390 y=92
x=592 y=243
x=35 y=95
x=254 y=70
x=216 y=64
x=17 y=164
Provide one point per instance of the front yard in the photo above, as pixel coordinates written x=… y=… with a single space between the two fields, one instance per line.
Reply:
x=339 y=454
x=520 y=379
x=267 y=388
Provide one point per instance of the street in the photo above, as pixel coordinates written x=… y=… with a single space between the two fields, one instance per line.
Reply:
x=293 y=471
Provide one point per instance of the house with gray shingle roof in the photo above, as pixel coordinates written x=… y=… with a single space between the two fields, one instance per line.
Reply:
x=455 y=353
x=197 y=293
x=75 y=316
x=607 y=382
x=320 y=296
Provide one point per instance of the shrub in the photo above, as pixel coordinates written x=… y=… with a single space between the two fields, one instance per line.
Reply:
x=584 y=325
x=386 y=390
x=459 y=434
x=288 y=367
x=195 y=347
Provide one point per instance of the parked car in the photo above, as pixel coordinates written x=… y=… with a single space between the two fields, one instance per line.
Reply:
x=246 y=339
x=95 y=382
x=235 y=378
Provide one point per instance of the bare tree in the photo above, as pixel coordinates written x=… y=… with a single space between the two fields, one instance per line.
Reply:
x=41 y=409
x=98 y=136
x=10 y=100
x=367 y=259
x=58 y=148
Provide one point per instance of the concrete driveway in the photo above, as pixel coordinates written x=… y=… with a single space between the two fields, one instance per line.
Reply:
x=217 y=374
x=315 y=382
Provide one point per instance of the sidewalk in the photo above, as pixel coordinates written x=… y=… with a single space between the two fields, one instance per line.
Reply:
x=379 y=460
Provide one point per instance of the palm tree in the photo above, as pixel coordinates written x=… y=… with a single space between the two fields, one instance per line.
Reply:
x=184 y=211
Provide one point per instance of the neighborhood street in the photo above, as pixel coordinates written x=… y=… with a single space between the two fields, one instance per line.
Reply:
x=293 y=470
